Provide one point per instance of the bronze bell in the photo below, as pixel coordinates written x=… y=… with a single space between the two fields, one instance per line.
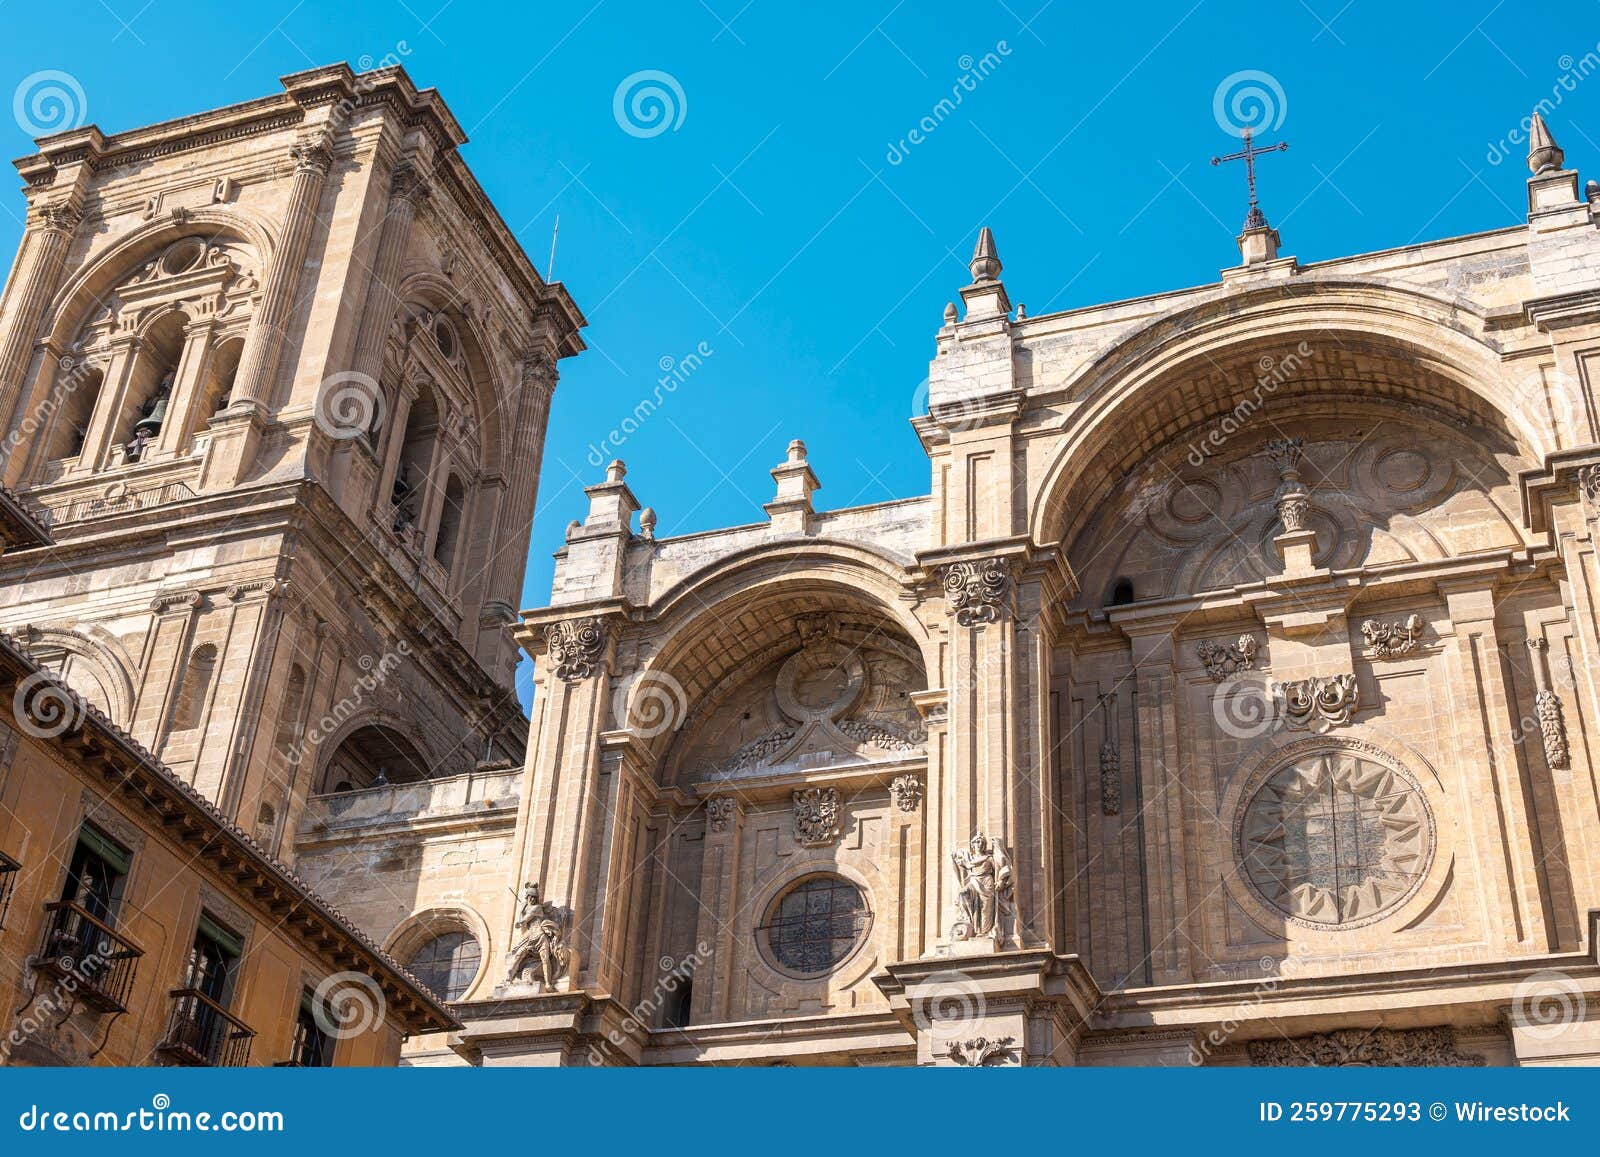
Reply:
x=156 y=414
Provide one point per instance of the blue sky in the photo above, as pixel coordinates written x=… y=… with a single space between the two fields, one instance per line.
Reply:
x=786 y=222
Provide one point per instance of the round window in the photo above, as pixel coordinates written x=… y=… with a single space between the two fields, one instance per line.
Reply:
x=447 y=964
x=1336 y=839
x=816 y=924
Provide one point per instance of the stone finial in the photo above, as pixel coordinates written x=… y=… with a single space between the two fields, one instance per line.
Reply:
x=791 y=509
x=950 y=313
x=1544 y=155
x=611 y=503
x=647 y=522
x=985 y=264
x=617 y=470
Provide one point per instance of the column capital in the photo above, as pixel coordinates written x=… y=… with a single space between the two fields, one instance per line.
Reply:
x=577 y=646
x=313 y=154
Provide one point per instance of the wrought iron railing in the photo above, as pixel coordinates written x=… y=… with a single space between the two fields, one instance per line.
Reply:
x=202 y=1032
x=80 y=509
x=88 y=954
x=8 y=883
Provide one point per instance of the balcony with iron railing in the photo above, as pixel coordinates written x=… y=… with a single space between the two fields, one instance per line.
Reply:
x=8 y=882
x=88 y=954
x=202 y=1032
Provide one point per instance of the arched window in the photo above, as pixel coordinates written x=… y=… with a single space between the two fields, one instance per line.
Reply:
x=292 y=709
x=1121 y=593
x=416 y=456
x=218 y=389
x=155 y=377
x=448 y=963
x=373 y=756
x=77 y=393
x=450 y=518
x=266 y=825
x=196 y=683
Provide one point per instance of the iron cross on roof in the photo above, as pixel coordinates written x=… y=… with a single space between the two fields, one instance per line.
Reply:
x=1255 y=219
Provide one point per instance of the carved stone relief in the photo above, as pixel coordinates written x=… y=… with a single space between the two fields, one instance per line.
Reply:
x=816 y=816
x=1110 y=779
x=575 y=647
x=1394 y=639
x=977 y=590
x=1223 y=660
x=982 y=1052
x=906 y=791
x=1318 y=703
x=1365 y=1047
x=720 y=812
x=986 y=892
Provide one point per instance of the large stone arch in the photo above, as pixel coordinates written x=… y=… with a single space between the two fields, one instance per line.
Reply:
x=1190 y=369
x=727 y=624
x=403 y=729
x=95 y=665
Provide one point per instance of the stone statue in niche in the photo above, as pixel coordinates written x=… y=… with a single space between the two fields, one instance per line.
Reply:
x=986 y=896
x=539 y=956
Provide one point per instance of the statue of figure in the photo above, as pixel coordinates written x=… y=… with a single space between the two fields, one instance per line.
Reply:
x=985 y=892
x=541 y=927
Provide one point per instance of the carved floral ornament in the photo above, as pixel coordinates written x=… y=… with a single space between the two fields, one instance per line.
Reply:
x=983 y=1052
x=979 y=590
x=816 y=816
x=720 y=812
x=1320 y=702
x=906 y=790
x=575 y=647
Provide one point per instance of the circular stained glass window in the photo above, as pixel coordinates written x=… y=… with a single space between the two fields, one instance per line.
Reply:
x=813 y=926
x=1336 y=839
x=447 y=964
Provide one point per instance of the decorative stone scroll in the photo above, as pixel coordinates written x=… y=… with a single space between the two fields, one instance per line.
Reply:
x=816 y=816
x=1318 y=703
x=720 y=812
x=1365 y=1047
x=1110 y=779
x=1392 y=640
x=978 y=590
x=906 y=790
x=986 y=892
x=1224 y=660
x=575 y=646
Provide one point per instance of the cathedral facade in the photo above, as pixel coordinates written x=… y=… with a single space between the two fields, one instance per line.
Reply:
x=1225 y=701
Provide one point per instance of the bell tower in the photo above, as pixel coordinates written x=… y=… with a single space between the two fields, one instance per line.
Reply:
x=276 y=378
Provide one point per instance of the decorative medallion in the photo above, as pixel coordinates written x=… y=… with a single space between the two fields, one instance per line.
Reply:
x=575 y=646
x=1318 y=703
x=1366 y=1048
x=1336 y=838
x=816 y=816
x=1223 y=660
x=1391 y=640
x=906 y=791
x=977 y=591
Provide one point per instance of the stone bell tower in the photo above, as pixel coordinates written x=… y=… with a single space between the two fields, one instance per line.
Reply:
x=276 y=377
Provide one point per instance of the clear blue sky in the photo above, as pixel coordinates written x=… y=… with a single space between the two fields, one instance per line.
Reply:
x=771 y=224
